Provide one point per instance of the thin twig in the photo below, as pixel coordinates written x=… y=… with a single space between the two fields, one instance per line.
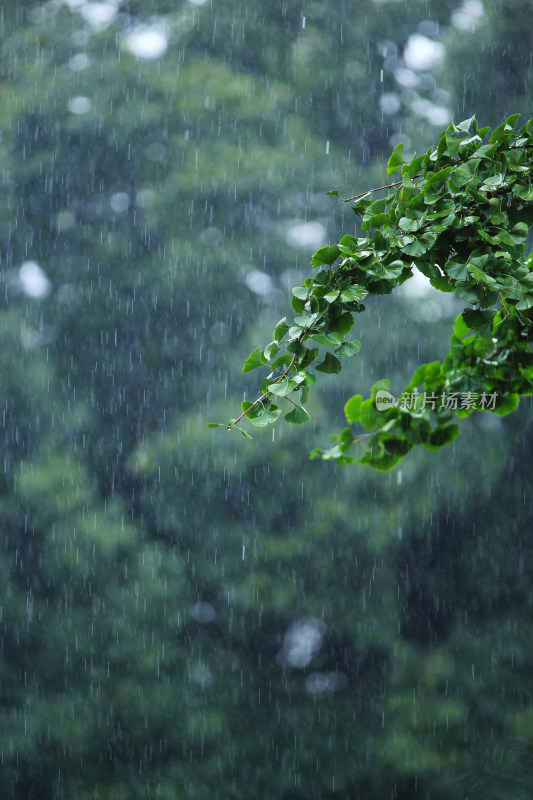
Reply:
x=376 y=189
x=362 y=438
x=259 y=400
x=503 y=303
x=263 y=396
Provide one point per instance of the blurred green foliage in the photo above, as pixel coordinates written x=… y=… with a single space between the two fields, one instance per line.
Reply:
x=189 y=616
x=464 y=225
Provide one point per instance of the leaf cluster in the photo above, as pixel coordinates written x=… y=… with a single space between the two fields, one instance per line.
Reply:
x=460 y=214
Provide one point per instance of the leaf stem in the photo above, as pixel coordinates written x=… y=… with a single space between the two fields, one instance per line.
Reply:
x=362 y=438
x=503 y=303
x=376 y=189
x=263 y=396
x=259 y=400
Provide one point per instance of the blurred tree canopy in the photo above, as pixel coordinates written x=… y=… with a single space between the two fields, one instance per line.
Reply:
x=185 y=618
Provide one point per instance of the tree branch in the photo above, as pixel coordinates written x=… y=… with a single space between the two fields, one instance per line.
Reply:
x=376 y=189
x=503 y=304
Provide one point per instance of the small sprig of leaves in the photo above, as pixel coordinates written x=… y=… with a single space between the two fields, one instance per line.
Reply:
x=325 y=305
x=461 y=214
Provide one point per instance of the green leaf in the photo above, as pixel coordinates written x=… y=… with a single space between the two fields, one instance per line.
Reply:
x=467 y=292
x=352 y=408
x=342 y=325
x=283 y=387
x=457 y=270
x=442 y=283
x=255 y=359
x=281 y=361
x=411 y=170
x=397 y=445
x=308 y=378
x=465 y=125
x=524 y=192
x=330 y=365
x=437 y=180
x=298 y=305
x=309 y=355
x=305 y=321
x=267 y=417
x=460 y=327
x=478 y=273
x=516 y=160
x=326 y=255
x=245 y=434
x=215 y=425
x=479 y=320
x=271 y=350
x=520 y=231
x=298 y=415
x=368 y=415
x=382 y=385
x=512 y=120
x=525 y=303
x=418 y=378
x=345 y=437
x=348 y=348
x=382 y=462
x=375 y=207
x=441 y=436
x=396 y=160
x=498 y=134
x=408 y=225
x=353 y=294
x=420 y=245
x=377 y=221
x=452 y=145
x=322 y=278
x=485 y=151
x=301 y=292
x=294 y=345
x=507 y=404
x=281 y=329
x=328 y=339
x=495 y=181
